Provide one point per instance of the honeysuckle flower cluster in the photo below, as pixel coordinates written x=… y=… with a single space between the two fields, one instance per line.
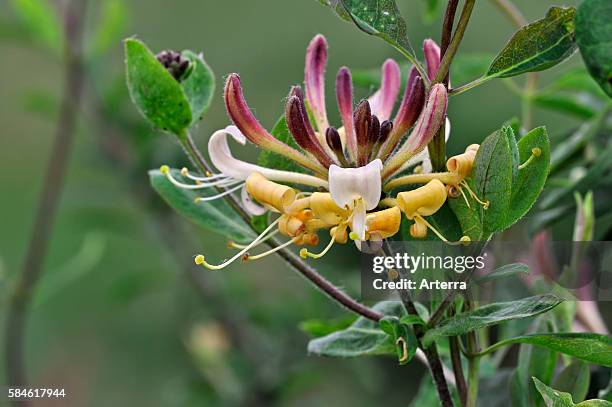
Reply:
x=351 y=168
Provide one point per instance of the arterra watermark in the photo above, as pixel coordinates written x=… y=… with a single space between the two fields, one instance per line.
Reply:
x=504 y=271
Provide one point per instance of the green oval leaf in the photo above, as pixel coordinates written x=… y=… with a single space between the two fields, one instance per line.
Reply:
x=199 y=86
x=492 y=314
x=380 y=18
x=593 y=34
x=529 y=180
x=592 y=348
x=215 y=216
x=556 y=398
x=363 y=338
x=552 y=397
x=537 y=46
x=158 y=96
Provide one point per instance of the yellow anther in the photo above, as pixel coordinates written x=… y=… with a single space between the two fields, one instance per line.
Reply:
x=465 y=240
x=485 y=204
x=184 y=171
x=305 y=253
x=269 y=193
x=199 y=260
x=164 y=169
x=418 y=169
x=535 y=152
x=208 y=174
x=353 y=236
x=424 y=201
x=339 y=233
x=197 y=199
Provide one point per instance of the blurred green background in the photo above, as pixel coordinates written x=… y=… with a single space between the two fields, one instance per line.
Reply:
x=120 y=318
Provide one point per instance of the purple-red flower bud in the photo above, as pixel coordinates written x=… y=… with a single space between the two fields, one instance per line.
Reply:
x=362 y=119
x=431 y=50
x=303 y=135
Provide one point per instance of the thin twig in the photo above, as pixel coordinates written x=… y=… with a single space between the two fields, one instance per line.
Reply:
x=447 y=30
x=434 y=363
x=473 y=362
x=445 y=63
x=437 y=146
x=49 y=198
x=461 y=384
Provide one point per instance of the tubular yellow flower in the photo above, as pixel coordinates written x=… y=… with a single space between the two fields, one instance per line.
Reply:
x=269 y=193
x=383 y=224
x=423 y=201
x=462 y=164
x=325 y=209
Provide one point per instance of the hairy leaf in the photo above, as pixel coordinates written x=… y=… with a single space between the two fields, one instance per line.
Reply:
x=216 y=216
x=552 y=397
x=592 y=348
x=537 y=46
x=158 y=96
x=199 y=86
x=364 y=337
x=380 y=18
x=530 y=180
x=492 y=314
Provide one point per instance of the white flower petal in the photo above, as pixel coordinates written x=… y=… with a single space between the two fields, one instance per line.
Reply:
x=348 y=185
x=222 y=158
x=359 y=220
x=250 y=205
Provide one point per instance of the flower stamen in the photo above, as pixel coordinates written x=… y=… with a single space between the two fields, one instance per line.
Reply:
x=199 y=199
x=274 y=250
x=535 y=152
x=200 y=260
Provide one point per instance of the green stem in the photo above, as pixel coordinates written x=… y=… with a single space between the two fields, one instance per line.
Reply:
x=458 y=369
x=447 y=59
x=422 y=72
x=468 y=86
x=473 y=362
x=473 y=369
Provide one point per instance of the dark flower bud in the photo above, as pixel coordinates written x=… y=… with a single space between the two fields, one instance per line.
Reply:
x=175 y=63
x=332 y=137
x=385 y=129
x=362 y=118
x=374 y=129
